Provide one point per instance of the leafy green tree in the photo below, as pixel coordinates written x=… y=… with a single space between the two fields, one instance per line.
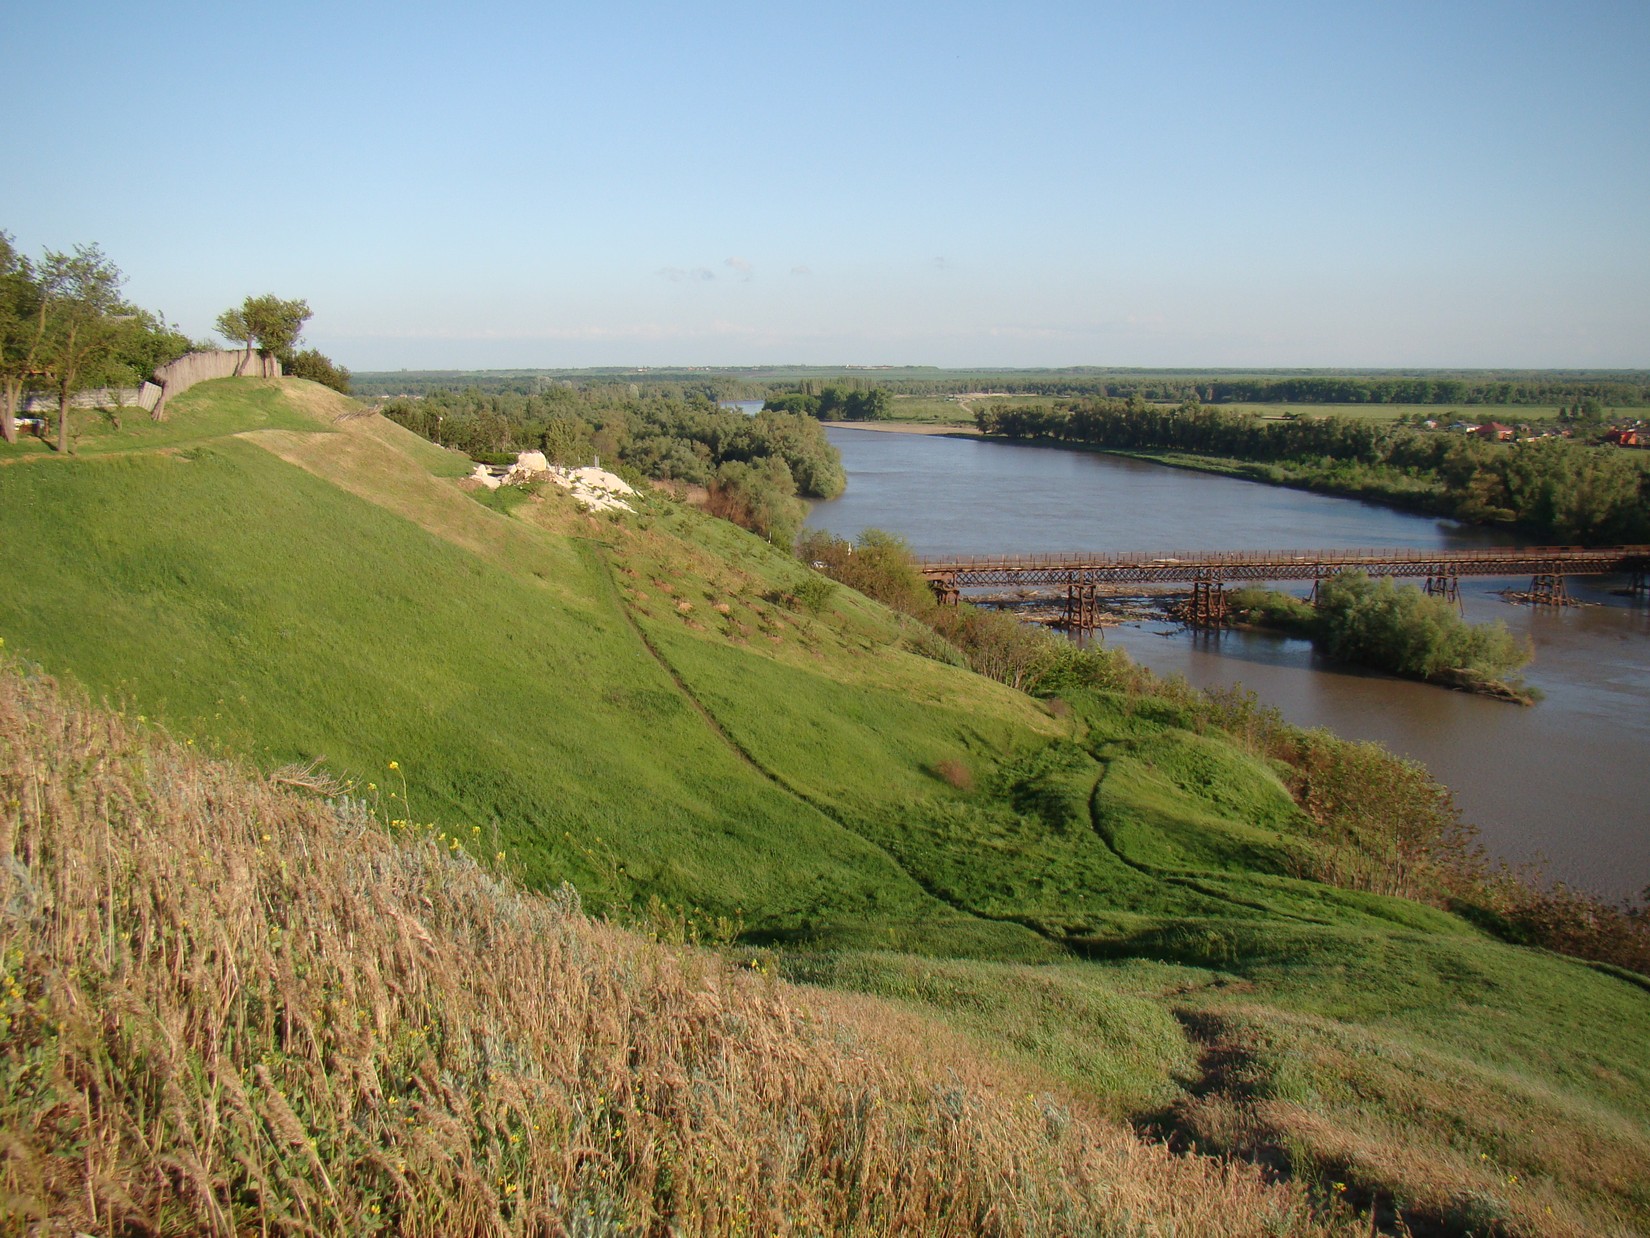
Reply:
x=85 y=320
x=274 y=325
x=317 y=367
x=880 y=565
x=566 y=440
x=760 y=497
x=22 y=332
x=149 y=342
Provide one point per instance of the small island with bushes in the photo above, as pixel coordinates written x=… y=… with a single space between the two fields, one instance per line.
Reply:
x=1395 y=628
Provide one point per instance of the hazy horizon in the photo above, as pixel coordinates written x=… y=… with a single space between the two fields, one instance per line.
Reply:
x=975 y=185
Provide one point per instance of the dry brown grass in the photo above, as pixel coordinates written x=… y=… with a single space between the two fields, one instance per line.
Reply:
x=1450 y=1146
x=227 y=1008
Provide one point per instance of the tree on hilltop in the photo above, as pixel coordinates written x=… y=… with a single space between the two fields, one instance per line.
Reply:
x=276 y=326
x=273 y=325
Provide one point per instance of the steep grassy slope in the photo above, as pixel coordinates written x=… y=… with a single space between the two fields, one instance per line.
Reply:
x=273 y=608
x=226 y=1010
x=631 y=705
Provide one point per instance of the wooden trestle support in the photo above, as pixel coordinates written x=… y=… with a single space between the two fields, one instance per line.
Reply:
x=1444 y=583
x=1548 y=589
x=945 y=591
x=1208 y=608
x=1082 y=607
x=1638 y=583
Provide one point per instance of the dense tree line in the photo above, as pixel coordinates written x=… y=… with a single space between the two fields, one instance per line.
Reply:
x=1328 y=389
x=1560 y=489
x=833 y=403
x=1492 y=388
x=1523 y=389
x=754 y=468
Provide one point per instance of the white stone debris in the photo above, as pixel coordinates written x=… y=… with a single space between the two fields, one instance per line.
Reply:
x=593 y=489
x=597 y=489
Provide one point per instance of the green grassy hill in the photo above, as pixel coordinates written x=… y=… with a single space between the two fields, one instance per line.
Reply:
x=629 y=704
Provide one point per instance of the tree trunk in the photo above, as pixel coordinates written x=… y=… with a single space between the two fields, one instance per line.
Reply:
x=63 y=418
x=8 y=409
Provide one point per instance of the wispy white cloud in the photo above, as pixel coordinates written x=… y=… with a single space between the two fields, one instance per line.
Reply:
x=802 y=270
x=741 y=267
x=687 y=275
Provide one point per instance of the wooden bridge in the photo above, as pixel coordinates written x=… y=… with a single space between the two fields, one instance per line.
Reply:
x=1084 y=575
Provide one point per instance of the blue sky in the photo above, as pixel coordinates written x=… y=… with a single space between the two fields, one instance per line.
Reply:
x=500 y=184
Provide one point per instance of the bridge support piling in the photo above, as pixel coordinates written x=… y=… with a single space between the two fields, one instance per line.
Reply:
x=1442 y=582
x=1208 y=608
x=1638 y=583
x=1082 y=607
x=1549 y=589
x=945 y=590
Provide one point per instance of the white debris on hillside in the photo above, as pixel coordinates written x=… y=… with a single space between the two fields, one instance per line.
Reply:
x=596 y=488
x=593 y=489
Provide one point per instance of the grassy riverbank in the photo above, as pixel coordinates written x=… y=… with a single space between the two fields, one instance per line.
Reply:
x=1132 y=896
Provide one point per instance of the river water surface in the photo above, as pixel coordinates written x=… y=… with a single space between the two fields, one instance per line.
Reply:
x=1567 y=781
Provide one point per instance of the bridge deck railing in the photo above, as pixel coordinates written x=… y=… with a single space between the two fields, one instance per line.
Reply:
x=1326 y=557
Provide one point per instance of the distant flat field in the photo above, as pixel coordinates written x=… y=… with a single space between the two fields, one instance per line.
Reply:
x=956 y=410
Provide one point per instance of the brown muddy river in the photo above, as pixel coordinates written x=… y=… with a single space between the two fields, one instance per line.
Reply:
x=1567 y=781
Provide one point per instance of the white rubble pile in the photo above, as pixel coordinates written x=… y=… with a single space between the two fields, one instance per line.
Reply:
x=593 y=489
x=597 y=489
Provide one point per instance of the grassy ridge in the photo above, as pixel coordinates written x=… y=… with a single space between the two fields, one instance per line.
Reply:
x=630 y=705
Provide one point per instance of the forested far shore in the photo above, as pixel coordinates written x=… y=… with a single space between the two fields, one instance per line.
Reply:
x=1439 y=388
x=1555 y=487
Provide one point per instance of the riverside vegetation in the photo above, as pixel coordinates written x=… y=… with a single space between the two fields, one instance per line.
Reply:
x=1395 y=628
x=1114 y=957
x=1554 y=487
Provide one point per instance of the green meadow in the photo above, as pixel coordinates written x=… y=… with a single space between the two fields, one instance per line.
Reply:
x=637 y=705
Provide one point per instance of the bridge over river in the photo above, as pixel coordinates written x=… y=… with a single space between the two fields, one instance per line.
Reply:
x=1084 y=576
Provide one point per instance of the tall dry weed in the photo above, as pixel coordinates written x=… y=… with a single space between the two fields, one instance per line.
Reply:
x=228 y=1008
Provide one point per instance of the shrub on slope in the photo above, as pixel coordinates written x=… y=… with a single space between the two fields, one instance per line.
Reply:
x=225 y=1006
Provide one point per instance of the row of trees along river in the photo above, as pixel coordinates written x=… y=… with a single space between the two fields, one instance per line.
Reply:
x=1566 y=780
x=1556 y=487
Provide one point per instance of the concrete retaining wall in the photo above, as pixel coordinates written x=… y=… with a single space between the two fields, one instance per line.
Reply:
x=197 y=367
x=170 y=380
x=101 y=397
